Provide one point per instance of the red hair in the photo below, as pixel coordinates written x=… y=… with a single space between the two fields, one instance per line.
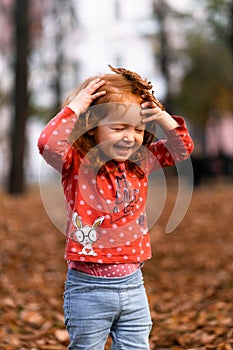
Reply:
x=123 y=88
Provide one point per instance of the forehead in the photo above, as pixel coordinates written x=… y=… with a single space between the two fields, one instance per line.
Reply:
x=123 y=113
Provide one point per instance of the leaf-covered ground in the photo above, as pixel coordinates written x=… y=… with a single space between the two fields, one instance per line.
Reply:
x=189 y=279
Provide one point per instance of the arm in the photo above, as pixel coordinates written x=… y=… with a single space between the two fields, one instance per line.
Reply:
x=178 y=144
x=53 y=142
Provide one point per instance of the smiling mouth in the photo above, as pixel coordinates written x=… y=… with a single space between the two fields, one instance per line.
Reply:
x=123 y=148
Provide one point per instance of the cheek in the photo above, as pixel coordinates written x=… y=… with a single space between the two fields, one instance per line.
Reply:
x=102 y=134
x=139 y=139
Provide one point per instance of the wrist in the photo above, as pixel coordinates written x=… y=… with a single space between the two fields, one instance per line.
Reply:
x=166 y=121
x=75 y=108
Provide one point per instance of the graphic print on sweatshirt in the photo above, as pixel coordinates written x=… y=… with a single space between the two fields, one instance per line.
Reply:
x=86 y=235
x=115 y=194
x=117 y=197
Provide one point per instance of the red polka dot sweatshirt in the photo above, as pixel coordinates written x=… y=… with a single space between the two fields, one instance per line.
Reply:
x=106 y=218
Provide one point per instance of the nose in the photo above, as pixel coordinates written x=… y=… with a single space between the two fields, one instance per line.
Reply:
x=129 y=135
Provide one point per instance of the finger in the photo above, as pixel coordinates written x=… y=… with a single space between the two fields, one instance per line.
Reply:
x=92 y=89
x=96 y=83
x=149 y=111
x=148 y=104
x=148 y=119
x=98 y=94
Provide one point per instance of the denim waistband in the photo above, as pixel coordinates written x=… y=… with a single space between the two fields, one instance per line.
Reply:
x=134 y=278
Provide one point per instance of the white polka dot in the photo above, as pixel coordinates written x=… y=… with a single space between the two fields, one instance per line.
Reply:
x=130 y=228
x=92 y=196
x=109 y=187
x=121 y=234
x=67 y=131
x=124 y=220
x=109 y=255
x=119 y=249
x=109 y=201
x=73 y=250
x=93 y=181
x=43 y=135
x=127 y=243
x=104 y=232
x=46 y=147
x=107 y=216
x=145 y=184
x=82 y=258
x=111 y=240
x=125 y=257
x=101 y=191
x=101 y=246
x=99 y=206
x=114 y=225
x=82 y=202
x=63 y=120
x=84 y=187
x=55 y=132
x=75 y=177
x=133 y=251
x=89 y=212
x=100 y=261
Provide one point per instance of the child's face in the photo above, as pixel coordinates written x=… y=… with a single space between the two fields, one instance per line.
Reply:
x=121 y=133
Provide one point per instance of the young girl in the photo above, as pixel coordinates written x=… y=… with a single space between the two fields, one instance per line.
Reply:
x=102 y=144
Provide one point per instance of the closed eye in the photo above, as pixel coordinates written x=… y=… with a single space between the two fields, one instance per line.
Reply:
x=118 y=129
x=139 y=130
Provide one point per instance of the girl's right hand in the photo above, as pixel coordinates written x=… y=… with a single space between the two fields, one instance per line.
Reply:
x=86 y=96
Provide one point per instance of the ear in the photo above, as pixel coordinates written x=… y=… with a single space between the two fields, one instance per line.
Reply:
x=77 y=221
x=98 y=222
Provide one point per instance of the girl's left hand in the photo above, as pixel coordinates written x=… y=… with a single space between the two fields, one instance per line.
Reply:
x=150 y=111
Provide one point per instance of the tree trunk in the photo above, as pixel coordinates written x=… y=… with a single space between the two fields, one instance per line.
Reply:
x=16 y=177
x=161 y=9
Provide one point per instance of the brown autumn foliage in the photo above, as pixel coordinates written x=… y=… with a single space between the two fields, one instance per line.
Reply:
x=189 y=279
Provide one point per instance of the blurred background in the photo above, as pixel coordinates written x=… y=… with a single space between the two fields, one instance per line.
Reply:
x=185 y=48
x=48 y=47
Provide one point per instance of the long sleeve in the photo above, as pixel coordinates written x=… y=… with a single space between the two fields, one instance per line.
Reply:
x=177 y=146
x=54 y=144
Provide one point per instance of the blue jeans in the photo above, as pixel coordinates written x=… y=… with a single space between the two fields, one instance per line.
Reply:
x=95 y=307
